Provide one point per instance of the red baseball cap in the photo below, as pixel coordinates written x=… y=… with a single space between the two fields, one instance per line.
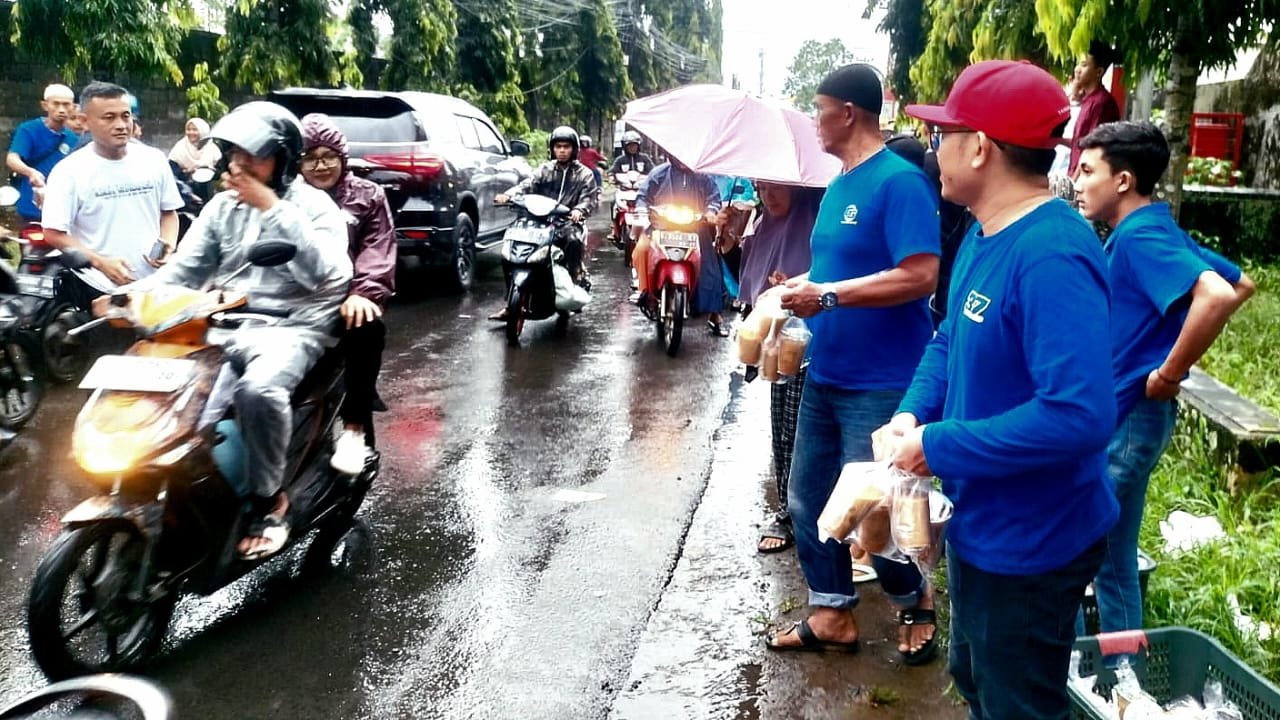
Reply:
x=1011 y=101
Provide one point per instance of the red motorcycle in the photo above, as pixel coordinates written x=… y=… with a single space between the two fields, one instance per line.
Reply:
x=624 y=212
x=672 y=266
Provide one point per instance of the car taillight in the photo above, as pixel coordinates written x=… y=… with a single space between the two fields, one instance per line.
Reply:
x=416 y=234
x=33 y=235
x=423 y=166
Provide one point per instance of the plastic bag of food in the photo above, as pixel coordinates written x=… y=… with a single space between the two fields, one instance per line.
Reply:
x=769 y=356
x=793 y=341
x=862 y=488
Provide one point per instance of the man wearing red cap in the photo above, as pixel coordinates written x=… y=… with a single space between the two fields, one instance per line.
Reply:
x=1011 y=405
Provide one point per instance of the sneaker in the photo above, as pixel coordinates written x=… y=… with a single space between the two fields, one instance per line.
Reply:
x=349 y=452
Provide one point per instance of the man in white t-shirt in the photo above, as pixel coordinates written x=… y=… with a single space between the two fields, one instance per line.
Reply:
x=114 y=200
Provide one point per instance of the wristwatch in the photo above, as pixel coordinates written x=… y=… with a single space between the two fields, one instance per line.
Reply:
x=828 y=299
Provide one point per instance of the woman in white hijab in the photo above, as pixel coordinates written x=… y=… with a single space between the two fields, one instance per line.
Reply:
x=187 y=152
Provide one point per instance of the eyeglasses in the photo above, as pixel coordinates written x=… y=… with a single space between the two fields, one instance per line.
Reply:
x=326 y=161
x=937 y=131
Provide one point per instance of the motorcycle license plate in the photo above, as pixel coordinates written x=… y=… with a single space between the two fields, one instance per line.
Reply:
x=37 y=285
x=670 y=239
x=637 y=219
x=626 y=195
x=131 y=373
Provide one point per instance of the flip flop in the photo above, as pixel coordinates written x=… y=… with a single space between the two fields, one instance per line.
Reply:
x=272 y=528
x=776 y=532
x=920 y=616
x=864 y=573
x=810 y=642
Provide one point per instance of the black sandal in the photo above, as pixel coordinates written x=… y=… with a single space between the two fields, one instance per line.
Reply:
x=920 y=616
x=810 y=642
x=777 y=531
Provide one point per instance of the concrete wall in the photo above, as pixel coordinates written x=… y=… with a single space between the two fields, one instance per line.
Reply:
x=1258 y=98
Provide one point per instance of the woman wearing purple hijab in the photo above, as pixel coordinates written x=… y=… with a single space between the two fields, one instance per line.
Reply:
x=372 y=246
x=778 y=248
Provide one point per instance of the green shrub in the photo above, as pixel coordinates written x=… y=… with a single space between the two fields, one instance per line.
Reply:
x=1211 y=171
x=1245 y=225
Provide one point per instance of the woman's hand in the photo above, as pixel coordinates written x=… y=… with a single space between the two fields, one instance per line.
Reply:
x=357 y=310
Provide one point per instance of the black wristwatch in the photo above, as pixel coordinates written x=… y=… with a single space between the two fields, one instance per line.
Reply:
x=828 y=300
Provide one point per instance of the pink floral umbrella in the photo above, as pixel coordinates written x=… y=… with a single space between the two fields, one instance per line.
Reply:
x=717 y=130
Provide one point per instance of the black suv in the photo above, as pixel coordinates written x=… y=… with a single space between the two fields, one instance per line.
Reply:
x=441 y=161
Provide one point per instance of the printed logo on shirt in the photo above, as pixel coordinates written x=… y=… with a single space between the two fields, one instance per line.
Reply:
x=850 y=215
x=975 y=305
x=64 y=148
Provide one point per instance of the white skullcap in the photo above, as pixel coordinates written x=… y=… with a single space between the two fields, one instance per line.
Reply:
x=59 y=91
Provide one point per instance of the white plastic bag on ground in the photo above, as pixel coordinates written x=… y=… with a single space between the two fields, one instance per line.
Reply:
x=569 y=296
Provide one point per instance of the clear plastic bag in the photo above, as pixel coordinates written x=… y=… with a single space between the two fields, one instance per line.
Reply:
x=863 y=488
x=793 y=341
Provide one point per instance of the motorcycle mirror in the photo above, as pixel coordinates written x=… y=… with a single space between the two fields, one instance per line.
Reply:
x=520 y=148
x=74 y=259
x=272 y=253
x=8 y=196
x=202 y=175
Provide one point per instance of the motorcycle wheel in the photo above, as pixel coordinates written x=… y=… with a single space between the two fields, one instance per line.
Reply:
x=671 y=327
x=515 y=316
x=65 y=357
x=80 y=617
x=20 y=389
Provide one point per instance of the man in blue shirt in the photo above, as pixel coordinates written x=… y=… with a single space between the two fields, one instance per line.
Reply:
x=38 y=144
x=875 y=260
x=1012 y=404
x=1169 y=300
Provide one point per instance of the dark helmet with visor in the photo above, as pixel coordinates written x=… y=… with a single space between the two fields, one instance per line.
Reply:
x=566 y=134
x=262 y=129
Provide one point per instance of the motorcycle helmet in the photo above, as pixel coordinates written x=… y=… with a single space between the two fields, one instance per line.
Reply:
x=262 y=129
x=585 y=140
x=564 y=133
x=629 y=137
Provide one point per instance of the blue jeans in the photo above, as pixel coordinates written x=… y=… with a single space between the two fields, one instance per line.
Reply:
x=834 y=428
x=1011 y=636
x=1135 y=448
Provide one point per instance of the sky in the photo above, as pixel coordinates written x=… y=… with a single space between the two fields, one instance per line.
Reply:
x=780 y=27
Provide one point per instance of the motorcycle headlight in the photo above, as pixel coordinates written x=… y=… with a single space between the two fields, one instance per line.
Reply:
x=114 y=432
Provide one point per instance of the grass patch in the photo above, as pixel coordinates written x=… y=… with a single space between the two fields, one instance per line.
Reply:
x=1243 y=356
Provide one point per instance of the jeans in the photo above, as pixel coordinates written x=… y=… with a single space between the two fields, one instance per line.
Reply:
x=362 y=347
x=1134 y=450
x=834 y=428
x=1011 y=636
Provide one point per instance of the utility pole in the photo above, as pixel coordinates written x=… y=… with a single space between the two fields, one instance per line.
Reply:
x=761 y=89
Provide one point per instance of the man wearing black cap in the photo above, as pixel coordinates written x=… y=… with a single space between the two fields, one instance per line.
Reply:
x=875 y=260
x=1097 y=107
x=1012 y=405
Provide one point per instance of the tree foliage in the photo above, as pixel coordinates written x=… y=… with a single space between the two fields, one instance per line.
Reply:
x=274 y=43
x=602 y=77
x=204 y=99
x=812 y=62
x=488 y=74
x=135 y=38
x=421 y=54
x=907 y=26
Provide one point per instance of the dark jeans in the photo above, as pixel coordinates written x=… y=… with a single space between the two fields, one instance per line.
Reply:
x=362 y=348
x=1011 y=636
x=834 y=428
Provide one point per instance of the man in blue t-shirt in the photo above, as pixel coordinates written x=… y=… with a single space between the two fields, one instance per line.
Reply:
x=38 y=144
x=1169 y=300
x=1011 y=406
x=875 y=260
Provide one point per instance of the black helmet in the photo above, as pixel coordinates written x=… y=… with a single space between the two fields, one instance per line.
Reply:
x=564 y=133
x=585 y=140
x=262 y=129
x=630 y=136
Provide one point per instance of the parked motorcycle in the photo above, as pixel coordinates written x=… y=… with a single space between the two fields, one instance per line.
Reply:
x=624 y=212
x=672 y=267
x=21 y=386
x=156 y=437
x=94 y=697
x=540 y=283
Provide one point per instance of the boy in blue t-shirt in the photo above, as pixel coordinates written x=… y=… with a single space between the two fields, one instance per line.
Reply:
x=1169 y=300
x=1011 y=406
x=38 y=144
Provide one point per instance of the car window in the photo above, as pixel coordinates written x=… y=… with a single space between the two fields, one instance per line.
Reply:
x=467 y=129
x=489 y=140
x=397 y=128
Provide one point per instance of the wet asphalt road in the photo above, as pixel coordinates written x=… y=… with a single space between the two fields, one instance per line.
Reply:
x=531 y=508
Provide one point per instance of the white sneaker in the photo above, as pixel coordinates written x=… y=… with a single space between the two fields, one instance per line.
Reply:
x=349 y=452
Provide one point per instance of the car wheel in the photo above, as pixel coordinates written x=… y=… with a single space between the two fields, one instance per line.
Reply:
x=462 y=268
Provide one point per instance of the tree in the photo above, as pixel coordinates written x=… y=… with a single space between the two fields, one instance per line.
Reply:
x=274 y=43
x=421 y=55
x=204 y=100
x=135 y=38
x=488 y=73
x=602 y=77
x=812 y=63
x=907 y=25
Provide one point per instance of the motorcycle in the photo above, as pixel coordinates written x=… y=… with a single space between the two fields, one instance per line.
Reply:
x=157 y=438
x=101 y=696
x=21 y=384
x=672 y=266
x=541 y=285
x=624 y=212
